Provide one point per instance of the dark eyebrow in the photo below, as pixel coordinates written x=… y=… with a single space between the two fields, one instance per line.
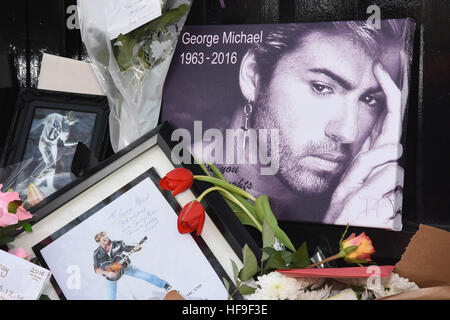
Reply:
x=375 y=90
x=341 y=81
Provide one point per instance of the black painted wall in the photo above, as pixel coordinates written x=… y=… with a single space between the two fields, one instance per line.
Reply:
x=28 y=28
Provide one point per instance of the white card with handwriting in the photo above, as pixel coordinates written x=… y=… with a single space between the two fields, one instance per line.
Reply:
x=124 y=16
x=20 y=279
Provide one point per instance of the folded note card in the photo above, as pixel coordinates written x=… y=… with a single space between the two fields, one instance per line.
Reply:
x=20 y=279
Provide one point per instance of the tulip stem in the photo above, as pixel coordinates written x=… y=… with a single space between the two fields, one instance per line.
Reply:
x=200 y=198
x=332 y=258
x=233 y=199
x=226 y=185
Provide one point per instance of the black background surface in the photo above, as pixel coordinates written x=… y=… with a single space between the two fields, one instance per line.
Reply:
x=29 y=28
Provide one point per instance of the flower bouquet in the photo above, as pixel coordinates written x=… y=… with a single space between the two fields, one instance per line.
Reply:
x=131 y=68
x=264 y=279
x=13 y=216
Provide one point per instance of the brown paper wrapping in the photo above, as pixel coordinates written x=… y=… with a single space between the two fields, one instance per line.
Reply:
x=426 y=260
x=434 y=293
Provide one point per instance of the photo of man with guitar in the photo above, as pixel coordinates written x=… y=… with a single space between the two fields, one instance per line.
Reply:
x=112 y=261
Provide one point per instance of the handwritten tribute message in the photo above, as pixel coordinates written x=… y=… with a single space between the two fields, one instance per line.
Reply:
x=136 y=217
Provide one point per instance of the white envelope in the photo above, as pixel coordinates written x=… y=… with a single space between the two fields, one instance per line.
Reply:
x=68 y=75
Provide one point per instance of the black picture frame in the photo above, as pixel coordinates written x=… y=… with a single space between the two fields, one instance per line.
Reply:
x=33 y=102
x=225 y=222
x=30 y=99
x=155 y=178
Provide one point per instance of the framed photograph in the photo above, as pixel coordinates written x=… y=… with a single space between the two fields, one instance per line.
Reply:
x=131 y=234
x=47 y=128
x=120 y=202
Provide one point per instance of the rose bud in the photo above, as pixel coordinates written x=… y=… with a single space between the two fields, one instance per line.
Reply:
x=21 y=253
x=177 y=180
x=357 y=249
x=191 y=218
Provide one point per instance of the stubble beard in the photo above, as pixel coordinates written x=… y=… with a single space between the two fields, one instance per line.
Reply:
x=300 y=180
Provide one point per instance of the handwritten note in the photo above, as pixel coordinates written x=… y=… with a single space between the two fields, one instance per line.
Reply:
x=136 y=216
x=20 y=279
x=126 y=15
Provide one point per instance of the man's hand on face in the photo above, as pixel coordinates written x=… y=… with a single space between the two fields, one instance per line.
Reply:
x=370 y=190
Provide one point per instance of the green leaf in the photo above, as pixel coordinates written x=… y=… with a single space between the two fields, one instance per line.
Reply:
x=202 y=166
x=270 y=251
x=226 y=283
x=240 y=214
x=6 y=240
x=245 y=290
x=301 y=258
x=27 y=227
x=263 y=211
x=248 y=205
x=146 y=57
x=343 y=235
x=268 y=238
x=350 y=250
x=216 y=172
x=235 y=271
x=275 y=262
x=250 y=264
x=13 y=206
x=8 y=229
x=287 y=256
x=123 y=51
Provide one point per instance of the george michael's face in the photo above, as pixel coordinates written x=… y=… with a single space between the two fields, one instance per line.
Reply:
x=324 y=99
x=104 y=241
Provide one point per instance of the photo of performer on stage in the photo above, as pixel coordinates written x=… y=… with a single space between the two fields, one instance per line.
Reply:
x=112 y=260
x=51 y=146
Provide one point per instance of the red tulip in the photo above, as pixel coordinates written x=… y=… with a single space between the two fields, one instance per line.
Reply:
x=191 y=218
x=177 y=180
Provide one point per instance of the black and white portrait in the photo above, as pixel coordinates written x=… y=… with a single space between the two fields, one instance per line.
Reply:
x=334 y=94
x=52 y=142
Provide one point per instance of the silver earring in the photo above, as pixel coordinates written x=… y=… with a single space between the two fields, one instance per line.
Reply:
x=248 y=109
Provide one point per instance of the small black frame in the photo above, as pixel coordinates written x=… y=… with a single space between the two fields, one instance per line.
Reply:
x=32 y=102
x=30 y=99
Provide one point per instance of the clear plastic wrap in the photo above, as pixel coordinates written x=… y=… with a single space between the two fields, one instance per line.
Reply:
x=34 y=180
x=131 y=68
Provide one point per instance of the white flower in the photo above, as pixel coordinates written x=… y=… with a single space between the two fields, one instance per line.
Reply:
x=275 y=286
x=318 y=294
x=346 y=294
x=394 y=285
x=310 y=283
x=162 y=49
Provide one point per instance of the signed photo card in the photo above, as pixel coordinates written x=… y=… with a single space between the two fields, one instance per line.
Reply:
x=128 y=247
